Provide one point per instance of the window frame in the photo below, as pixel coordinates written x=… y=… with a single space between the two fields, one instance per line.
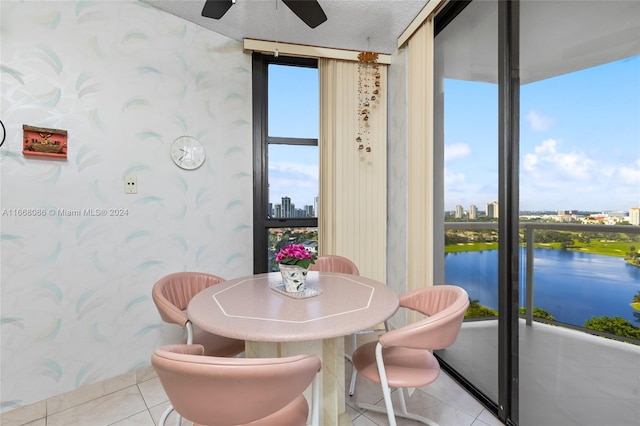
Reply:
x=261 y=142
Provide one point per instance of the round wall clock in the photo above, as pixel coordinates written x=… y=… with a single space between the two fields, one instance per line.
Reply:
x=187 y=152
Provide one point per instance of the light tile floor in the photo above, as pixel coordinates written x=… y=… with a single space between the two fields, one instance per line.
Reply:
x=143 y=404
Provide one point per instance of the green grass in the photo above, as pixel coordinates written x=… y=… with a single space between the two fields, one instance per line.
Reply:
x=456 y=248
x=607 y=248
x=604 y=247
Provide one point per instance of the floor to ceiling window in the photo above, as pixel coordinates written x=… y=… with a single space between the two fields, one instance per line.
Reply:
x=580 y=177
x=286 y=127
x=578 y=145
x=466 y=57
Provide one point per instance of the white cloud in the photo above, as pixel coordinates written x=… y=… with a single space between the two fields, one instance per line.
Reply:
x=538 y=122
x=295 y=180
x=549 y=165
x=299 y=169
x=452 y=179
x=456 y=150
x=631 y=175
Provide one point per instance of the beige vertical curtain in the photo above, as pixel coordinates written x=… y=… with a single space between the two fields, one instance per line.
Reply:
x=353 y=183
x=420 y=158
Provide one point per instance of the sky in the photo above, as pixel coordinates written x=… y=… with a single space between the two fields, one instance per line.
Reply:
x=579 y=140
x=294 y=101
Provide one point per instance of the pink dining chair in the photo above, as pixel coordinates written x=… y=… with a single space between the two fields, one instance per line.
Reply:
x=334 y=263
x=171 y=295
x=238 y=391
x=402 y=358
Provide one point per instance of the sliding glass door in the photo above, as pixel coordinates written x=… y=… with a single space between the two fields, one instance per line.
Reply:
x=467 y=106
x=538 y=117
x=579 y=180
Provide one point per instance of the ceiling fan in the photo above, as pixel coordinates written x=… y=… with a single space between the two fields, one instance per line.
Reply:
x=309 y=11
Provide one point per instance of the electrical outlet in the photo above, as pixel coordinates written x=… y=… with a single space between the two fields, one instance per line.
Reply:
x=130 y=185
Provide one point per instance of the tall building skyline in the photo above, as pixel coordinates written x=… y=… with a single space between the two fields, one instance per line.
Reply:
x=286 y=209
x=634 y=216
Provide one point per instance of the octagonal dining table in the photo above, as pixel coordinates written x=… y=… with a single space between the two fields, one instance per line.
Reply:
x=274 y=323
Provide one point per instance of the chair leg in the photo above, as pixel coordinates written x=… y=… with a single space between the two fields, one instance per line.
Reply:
x=354 y=373
x=163 y=418
x=354 y=341
x=165 y=415
x=402 y=412
x=386 y=392
x=352 y=386
x=315 y=400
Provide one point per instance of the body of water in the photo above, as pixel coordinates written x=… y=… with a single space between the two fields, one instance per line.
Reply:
x=571 y=286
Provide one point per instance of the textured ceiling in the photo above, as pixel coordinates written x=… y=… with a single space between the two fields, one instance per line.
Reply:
x=371 y=25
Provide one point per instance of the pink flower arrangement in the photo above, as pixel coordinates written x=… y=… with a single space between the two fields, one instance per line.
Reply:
x=296 y=254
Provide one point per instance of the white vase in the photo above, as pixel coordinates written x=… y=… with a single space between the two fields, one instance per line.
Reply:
x=293 y=277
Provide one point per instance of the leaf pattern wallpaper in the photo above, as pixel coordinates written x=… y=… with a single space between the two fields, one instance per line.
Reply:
x=125 y=80
x=397 y=175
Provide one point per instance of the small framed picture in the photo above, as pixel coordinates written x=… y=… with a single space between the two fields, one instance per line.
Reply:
x=44 y=142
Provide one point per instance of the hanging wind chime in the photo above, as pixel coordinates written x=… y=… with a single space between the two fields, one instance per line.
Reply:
x=368 y=95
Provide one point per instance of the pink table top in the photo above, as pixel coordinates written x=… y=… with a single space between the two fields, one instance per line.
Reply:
x=248 y=308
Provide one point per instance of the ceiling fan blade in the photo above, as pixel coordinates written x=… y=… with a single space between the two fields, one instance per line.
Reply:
x=216 y=8
x=308 y=10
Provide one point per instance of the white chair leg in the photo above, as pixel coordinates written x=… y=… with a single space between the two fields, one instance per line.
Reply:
x=165 y=415
x=315 y=400
x=190 y=332
x=354 y=341
x=386 y=392
x=352 y=386
x=354 y=373
x=403 y=404
x=396 y=413
x=163 y=418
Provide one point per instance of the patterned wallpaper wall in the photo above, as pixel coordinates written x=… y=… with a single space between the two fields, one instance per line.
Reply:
x=397 y=178
x=124 y=79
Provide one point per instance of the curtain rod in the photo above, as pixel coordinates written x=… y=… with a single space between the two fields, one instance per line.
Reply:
x=307 y=51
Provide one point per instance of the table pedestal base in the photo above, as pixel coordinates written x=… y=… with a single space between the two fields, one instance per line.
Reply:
x=331 y=352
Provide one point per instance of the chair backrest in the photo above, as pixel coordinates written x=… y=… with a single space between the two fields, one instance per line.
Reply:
x=230 y=391
x=444 y=305
x=172 y=293
x=334 y=263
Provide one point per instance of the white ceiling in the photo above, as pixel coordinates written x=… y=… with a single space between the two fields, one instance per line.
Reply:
x=557 y=37
x=360 y=25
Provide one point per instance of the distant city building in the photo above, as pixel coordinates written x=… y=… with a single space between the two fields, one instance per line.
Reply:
x=492 y=210
x=634 y=216
x=566 y=215
x=459 y=212
x=308 y=211
x=286 y=207
x=316 y=206
x=473 y=212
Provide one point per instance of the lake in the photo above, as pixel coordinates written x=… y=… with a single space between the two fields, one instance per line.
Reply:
x=571 y=286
